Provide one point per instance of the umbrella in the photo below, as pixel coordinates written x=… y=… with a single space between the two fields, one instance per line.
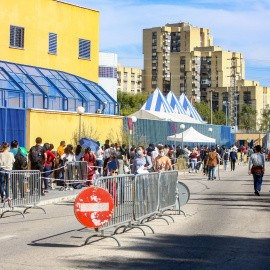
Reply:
x=23 y=150
x=85 y=143
x=101 y=144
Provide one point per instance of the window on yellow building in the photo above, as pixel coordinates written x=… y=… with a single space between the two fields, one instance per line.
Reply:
x=84 y=48
x=53 y=43
x=16 y=38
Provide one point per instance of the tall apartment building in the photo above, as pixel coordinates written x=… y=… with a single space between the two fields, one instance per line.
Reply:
x=182 y=58
x=129 y=79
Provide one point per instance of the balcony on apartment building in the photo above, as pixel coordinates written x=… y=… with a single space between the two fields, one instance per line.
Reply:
x=205 y=84
x=166 y=57
x=182 y=62
x=166 y=64
x=154 y=43
x=205 y=70
x=154 y=72
x=182 y=69
x=183 y=77
x=206 y=61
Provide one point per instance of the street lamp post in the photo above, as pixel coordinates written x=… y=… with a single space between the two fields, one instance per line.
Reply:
x=80 y=111
x=182 y=126
x=211 y=105
x=225 y=103
x=210 y=131
x=134 y=120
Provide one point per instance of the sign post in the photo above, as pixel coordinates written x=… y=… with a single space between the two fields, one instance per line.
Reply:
x=175 y=131
x=130 y=126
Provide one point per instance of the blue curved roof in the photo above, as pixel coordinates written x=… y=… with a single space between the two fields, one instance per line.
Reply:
x=23 y=86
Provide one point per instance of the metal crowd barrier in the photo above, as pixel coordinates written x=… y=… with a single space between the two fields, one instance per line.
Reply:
x=137 y=198
x=122 y=190
x=24 y=191
x=74 y=173
x=146 y=197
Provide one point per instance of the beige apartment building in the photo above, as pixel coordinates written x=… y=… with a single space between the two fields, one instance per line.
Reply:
x=129 y=79
x=182 y=58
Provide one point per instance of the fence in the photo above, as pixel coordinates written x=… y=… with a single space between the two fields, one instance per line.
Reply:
x=24 y=188
x=136 y=198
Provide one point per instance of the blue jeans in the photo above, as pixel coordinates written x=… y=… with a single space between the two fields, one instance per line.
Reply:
x=4 y=175
x=99 y=164
x=47 y=169
x=257 y=181
x=226 y=163
x=211 y=170
x=193 y=164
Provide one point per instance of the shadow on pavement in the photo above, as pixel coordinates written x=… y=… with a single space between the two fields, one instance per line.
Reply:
x=185 y=252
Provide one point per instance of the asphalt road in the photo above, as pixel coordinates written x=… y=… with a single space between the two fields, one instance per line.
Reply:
x=227 y=227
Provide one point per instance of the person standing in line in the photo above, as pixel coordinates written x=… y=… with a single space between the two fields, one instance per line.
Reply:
x=91 y=162
x=38 y=158
x=78 y=153
x=162 y=162
x=141 y=161
x=233 y=158
x=48 y=166
x=154 y=153
x=122 y=159
x=193 y=160
x=6 y=162
x=257 y=168
x=212 y=162
x=98 y=155
x=60 y=153
x=226 y=157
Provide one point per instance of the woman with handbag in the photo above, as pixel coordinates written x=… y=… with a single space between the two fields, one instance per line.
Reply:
x=257 y=161
x=123 y=160
x=142 y=162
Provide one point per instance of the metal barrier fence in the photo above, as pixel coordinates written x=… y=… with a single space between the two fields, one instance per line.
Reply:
x=140 y=197
x=122 y=191
x=24 y=191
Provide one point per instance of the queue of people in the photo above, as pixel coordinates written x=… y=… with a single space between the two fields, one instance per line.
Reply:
x=114 y=159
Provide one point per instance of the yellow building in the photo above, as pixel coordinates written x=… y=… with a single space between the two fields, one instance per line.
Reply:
x=49 y=57
x=50 y=34
x=129 y=79
x=54 y=127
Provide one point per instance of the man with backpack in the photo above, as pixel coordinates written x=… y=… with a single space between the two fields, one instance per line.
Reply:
x=38 y=157
x=19 y=164
x=226 y=157
x=212 y=162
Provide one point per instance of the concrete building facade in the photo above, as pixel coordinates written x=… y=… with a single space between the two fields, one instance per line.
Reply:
x=129 y=79
x=182 y=58
x=107 y=75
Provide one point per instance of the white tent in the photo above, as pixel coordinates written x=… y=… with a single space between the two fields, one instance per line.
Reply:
x=191 y=135
x=165 y=116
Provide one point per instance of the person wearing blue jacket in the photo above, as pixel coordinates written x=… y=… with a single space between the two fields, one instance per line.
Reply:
x=233 y=158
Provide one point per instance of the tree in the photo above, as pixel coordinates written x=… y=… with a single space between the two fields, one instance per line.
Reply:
x=131 y=103
x=265 y=119
x=203 y=110
x=247 y=118
x=219 y=118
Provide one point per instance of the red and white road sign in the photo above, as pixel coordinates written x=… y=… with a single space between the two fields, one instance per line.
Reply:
x=130 y=123
x=94 y=207
x=175 y=128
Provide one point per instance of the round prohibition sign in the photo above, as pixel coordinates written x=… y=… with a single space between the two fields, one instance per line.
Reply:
x=94 y=207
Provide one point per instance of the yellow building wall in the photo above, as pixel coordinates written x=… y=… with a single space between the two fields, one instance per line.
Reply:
x=39 y=17
x=55 y=126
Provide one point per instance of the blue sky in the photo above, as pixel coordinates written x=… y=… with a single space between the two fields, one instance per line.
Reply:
x=236 y=25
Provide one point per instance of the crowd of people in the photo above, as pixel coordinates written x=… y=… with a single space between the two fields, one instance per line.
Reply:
x=115 y=159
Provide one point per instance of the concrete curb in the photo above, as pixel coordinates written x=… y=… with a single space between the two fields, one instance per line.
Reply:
x=45 y=202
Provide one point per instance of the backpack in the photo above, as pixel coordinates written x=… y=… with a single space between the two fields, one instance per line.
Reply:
x=20 y=161
x=36 y=156
x=226 y=156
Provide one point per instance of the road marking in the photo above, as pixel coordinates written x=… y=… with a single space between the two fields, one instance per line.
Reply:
x=94 y=207
x=6 y=237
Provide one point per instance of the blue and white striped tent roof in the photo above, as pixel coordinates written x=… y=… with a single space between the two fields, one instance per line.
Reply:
x=157 y=102
x=190 y=110
x=175 y=104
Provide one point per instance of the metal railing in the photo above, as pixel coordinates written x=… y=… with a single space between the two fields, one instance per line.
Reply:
x=24 y=191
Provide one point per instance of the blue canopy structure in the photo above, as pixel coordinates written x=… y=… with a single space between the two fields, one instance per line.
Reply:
x=175 y=104
x=23 y=86
x=190 y=110
x=157 y=102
